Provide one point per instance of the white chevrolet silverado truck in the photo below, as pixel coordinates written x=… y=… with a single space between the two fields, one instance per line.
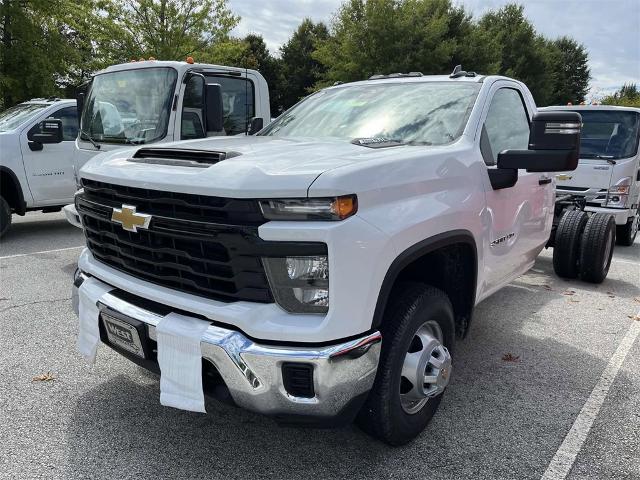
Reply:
x=321 y=270
x=36 y=168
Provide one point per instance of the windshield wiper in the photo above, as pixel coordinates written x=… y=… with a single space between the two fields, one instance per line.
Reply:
x=91 y=140
x=608 y=158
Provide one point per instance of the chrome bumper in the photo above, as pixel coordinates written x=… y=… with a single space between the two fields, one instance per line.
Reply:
x=253 y=372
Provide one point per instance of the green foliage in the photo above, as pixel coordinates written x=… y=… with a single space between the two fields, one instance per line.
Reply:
x=570 y=70
x=384 y=36
x=50 y=47
x=627 y=96
x=300 y=70
x=171 y=29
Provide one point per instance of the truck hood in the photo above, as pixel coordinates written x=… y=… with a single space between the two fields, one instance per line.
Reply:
x=256 y=167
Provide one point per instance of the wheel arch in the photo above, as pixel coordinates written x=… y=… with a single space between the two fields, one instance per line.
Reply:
x=11 y=190
x=453 y=261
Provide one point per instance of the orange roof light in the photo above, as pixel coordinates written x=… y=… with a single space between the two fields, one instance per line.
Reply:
x=190 y=60
x=141 y=59
x=152 y=58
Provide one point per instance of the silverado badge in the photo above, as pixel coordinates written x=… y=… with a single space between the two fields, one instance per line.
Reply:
x=563 y=176
x=129 y=219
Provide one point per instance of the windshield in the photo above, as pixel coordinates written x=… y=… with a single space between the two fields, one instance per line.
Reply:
x=425 y=113
x=15 y=116
x=609 y=134
x=130 y=106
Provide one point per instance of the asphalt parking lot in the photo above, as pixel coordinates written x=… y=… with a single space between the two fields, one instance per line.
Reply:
x=549 y=375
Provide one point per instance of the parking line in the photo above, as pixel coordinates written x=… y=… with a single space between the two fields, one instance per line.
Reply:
x=564 y=458
x=43 y=251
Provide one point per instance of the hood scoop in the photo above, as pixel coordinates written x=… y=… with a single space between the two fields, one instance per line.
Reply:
x=180 y=157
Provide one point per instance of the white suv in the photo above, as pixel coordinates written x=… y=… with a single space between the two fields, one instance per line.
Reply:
x=322 y=269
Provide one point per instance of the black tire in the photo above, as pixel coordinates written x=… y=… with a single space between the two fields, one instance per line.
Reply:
x=626 y=234
x=383 y=416
x=597 y=248
x=566 y=248
x=5 y=216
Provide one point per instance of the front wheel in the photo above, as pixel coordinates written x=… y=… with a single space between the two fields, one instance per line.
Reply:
x=418 y=335
x=626 y=234
x=5 y=216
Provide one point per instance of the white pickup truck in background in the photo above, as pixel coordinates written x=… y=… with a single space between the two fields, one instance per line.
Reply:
x=321 y=270
x=607 y=179
x=35 y=176
x=135 y=103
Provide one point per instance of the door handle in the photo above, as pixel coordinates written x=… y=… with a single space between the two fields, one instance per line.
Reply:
x=544 y=180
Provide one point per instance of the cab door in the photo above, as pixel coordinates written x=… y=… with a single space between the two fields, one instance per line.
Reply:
x=517 y=219
x=49 y=168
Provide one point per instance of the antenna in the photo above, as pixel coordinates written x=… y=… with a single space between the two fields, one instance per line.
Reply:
x=458 y=72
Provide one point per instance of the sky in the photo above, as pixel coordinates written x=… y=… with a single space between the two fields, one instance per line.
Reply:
x=609 y=29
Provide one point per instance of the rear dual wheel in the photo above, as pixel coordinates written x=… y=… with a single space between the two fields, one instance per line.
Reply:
x=584 y=246
x=596 y=249
x=418 y=335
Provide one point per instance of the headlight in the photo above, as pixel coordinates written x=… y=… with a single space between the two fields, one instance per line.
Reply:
x=333 y=208
x=618 y=195
x=299 y=284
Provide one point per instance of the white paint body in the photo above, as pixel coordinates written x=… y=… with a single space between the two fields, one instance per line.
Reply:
x=406 y=194
x=46 y=177
x=594 y=177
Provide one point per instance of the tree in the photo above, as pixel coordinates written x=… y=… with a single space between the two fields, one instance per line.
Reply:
x=29 y=54
x=386 y=36
x=627 y=96
x=172 y=29
x=523 y=53
x=570 y=70
x=300 y=70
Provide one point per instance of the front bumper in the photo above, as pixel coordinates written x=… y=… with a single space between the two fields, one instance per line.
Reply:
x=343 y=373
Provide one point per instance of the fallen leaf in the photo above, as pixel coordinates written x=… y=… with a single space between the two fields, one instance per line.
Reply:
x=611 y=294
x=509 y=357
x=634 y=317
x=45 y=377
x=636 y=299
x=547 y=287
x=569 y=292
x=574 y=300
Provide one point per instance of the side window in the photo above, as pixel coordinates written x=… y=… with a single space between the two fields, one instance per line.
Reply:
x=192 y=125
x=237 y=102
x=69 y=118
x=506 y=126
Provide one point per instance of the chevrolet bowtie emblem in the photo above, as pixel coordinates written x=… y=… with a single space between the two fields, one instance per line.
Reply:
x=129 y=219
x=563 y=176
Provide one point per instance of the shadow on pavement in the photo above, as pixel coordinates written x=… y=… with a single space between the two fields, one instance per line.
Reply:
x=498 y=419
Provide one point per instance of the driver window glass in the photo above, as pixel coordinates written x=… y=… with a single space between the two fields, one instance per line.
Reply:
x=192 y=124
x=237 y=102
x=506 y=126
x=68 y=117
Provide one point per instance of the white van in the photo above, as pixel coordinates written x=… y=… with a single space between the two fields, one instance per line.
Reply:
x=607 y=179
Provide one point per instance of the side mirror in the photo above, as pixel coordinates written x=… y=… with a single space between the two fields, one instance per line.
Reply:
x=50 y=131
x=554 y=144
x=213 y=107
x=255 y=125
